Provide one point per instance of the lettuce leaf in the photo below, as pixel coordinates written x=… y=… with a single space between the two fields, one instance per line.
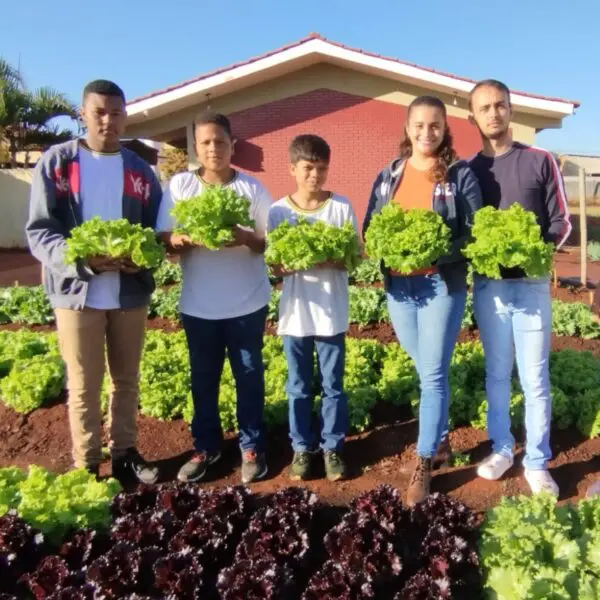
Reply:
x=306 y=243
x=209 y=218
x=407 y=240
x=508 y=238
x=115 y=239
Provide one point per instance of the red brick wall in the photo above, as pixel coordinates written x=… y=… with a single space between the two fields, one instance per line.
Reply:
x=363 y=134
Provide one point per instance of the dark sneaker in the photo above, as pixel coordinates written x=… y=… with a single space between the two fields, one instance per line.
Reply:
x=132 y=464
x=195 y=468
x=335 y=469
x=254 y=466
x=301 y=464
x=418 y=488
x=94 y=470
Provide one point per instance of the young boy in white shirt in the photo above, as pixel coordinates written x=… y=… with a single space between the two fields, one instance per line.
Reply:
x=223 y=304
x=313 y=315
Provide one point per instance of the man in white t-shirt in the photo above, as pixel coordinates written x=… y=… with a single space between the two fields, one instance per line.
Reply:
x=223 y=304
x=313 y=315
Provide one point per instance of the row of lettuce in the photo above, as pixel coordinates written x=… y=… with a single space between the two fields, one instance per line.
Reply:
x=32 y=374
x=72 y=537
x=367 y=305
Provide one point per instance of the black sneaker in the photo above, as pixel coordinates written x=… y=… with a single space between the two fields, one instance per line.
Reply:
x=132 y=464
x=335 y=469
x=254 y=466
x=301 y=464
x=195 y=468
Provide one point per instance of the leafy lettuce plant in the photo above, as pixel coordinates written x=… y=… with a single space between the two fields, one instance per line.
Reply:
x=209 y=218
x=10 y=481
x=28 y=305
x=115 y=239
x=531 y=548
x=57 y=504
x=574 y=319
x=32 y=381
x=304 y=244
x=262 y=578
x=508 y=238
x=367 y=271
x=407 y=240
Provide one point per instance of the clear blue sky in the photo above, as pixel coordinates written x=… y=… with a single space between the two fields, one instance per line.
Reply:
x=550 y=47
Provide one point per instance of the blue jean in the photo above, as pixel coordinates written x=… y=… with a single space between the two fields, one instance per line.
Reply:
x=299 y=353
x=515 y=315
x=208 y=340
x=426 y=318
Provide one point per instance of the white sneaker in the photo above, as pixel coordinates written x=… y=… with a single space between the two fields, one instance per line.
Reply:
x=593 y=490
x=494 y=466
x=541 y=481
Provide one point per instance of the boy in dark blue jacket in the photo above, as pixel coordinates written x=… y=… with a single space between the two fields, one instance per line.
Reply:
x=100 y=304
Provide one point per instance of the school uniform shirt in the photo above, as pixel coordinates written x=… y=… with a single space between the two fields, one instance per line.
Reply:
x=224 y=283
x=102 y=196
x=314 y=302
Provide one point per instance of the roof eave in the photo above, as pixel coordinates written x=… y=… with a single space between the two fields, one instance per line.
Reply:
x=313 y=50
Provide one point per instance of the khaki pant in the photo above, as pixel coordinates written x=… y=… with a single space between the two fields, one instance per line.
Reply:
x=84 y=335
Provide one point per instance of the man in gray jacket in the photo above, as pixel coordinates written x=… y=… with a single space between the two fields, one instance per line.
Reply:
x=100 y=304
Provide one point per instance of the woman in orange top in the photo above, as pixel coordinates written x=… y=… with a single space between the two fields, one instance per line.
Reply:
x=426 y=306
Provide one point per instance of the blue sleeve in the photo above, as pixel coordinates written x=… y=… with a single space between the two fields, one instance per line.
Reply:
x=151 y=212
x=468 y=201
x=374 y=201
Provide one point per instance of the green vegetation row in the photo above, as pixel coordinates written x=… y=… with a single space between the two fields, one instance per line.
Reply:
x=33 y=374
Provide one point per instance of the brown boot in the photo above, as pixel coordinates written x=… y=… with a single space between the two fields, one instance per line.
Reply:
x=443 y=455
x=418 y=488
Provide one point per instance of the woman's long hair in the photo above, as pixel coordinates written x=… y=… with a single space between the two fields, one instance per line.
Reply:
x=445 y=155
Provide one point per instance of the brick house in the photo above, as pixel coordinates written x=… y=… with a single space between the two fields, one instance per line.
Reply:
x=354 y=99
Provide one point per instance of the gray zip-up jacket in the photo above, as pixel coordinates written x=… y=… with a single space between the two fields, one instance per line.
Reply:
x=455 y=201
x=55 y=208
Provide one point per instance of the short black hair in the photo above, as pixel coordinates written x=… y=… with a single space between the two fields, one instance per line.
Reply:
x=309 y=147
x=493 y=83
x=104 y=88
x=209 y=117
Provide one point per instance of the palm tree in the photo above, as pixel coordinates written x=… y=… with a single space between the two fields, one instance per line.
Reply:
x=25 y=115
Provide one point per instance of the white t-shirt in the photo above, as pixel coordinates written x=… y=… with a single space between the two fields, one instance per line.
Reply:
x=102 y=196
x=314 y=302
x=225 y=283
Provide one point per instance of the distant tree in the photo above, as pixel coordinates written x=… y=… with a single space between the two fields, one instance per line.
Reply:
x=25 y=115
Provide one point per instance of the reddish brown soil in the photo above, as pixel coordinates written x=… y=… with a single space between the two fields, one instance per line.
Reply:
x=381 y=455
x=572 y=293
x=567 y=264
x=18 y=266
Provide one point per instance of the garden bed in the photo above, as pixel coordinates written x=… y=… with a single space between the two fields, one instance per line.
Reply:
x=382 y=453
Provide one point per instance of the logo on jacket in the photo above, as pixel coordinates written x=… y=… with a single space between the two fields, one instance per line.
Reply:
x=447 y=189
x=66 y=179
x=137 y=186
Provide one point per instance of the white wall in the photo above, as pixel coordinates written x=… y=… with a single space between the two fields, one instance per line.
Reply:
x=14 y=206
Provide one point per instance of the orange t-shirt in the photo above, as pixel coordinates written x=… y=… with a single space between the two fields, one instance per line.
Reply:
x=415 y=189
